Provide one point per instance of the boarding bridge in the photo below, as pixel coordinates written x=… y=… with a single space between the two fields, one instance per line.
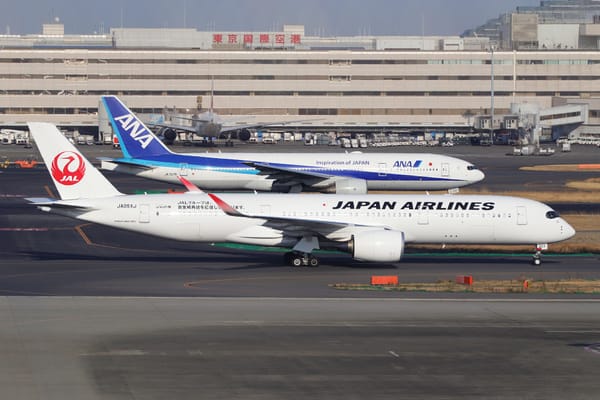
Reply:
x=564 y=115
x=562 y=120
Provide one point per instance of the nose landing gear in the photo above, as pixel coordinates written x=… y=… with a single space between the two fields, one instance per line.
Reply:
x=537 y=256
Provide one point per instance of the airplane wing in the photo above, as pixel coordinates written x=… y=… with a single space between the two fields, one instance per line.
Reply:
x=193 y=119
x=124 y=161
x=185 y=128
x=224 y=128
x=286 y=175
x=299 y=226
x=234 y=127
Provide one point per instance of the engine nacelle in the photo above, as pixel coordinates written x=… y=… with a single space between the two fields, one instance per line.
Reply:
x=349 y=186
x=169 y=135
x=377 y=246
x=244 y=135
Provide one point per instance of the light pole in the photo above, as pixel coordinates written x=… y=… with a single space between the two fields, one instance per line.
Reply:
x=492 y=96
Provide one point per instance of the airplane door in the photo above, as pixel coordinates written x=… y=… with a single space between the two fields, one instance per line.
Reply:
x=423 y=218
x=445 y=169
x=521 y=215
x=382 y=169
x=183 y=169
x=144 y=213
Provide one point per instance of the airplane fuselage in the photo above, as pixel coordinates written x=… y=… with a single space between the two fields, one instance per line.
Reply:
x=422 y=219
x=380 y=171
x=207 y=129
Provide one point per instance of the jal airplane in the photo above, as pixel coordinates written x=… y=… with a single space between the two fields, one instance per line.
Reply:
x=146 y=156
x=373 y=228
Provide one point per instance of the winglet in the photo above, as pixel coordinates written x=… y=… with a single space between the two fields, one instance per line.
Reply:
x=189 y=185
x=226 y=208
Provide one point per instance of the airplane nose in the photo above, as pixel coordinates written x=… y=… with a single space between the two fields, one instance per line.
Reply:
x=567 y=230
x=478 y=175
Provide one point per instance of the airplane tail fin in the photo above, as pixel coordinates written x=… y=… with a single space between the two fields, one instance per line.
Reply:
x=136 y=140
x=73 y=175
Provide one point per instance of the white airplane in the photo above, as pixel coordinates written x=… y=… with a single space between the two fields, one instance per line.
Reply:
x=209 y=124
x=372 y=228
x=353 y=173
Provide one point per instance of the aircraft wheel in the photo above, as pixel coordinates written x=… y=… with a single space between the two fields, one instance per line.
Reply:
x=313 y=261
x=537 y=261
x=296 y=261
x=287 y=258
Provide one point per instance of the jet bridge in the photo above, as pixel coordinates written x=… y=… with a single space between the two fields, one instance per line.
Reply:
x=562 y=120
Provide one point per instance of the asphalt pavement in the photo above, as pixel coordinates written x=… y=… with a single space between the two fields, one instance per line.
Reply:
x=94 y=313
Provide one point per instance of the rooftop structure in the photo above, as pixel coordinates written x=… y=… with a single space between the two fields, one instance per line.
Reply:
x=376 y=83
x=554 y=24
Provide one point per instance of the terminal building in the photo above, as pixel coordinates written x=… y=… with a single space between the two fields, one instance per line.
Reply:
x=369 y=84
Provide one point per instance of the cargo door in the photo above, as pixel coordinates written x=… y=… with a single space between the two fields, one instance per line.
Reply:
x=144 y=213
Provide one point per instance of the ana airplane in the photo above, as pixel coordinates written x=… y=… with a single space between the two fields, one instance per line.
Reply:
x=371 y=228
x=146 y=156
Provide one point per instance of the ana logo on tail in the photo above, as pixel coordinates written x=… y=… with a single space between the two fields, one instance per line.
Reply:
x=135 y=129
x=68 y=168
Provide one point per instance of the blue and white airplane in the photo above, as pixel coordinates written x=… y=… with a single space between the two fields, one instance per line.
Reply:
x=146 y=156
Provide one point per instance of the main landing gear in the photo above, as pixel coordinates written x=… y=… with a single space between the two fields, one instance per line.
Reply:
x=301 y=256
x=298 y=259
x=537 y=256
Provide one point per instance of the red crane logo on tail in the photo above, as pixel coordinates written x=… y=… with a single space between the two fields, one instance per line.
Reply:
x=68 y=168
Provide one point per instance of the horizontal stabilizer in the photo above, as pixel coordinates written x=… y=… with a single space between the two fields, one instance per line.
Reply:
x=49 y=202
x=106 y=163
x=41 y=200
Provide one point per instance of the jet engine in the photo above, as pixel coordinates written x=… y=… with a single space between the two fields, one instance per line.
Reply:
x=244 y=135
x=377 y=246
x=348 y=186
x=169 y=135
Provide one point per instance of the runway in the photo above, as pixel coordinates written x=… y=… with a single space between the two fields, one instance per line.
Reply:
x=94 y=313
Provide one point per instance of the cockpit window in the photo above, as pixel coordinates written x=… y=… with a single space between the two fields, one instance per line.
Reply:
x=471 y=167
x=552 y=214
